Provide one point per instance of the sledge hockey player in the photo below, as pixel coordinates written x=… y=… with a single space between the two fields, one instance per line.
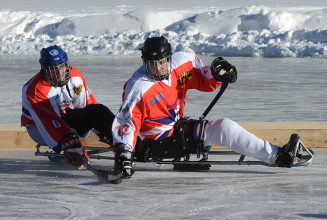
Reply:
x=58 y=108
x=153 y=104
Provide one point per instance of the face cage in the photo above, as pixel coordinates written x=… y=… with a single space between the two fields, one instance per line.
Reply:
x=58 y=76
x=158 y=69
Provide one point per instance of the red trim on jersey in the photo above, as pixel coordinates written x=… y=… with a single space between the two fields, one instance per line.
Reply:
x=41 y=107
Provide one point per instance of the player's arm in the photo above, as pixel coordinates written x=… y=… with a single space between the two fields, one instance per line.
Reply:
x=209 y=78
x=47 y=117
x=127 y=123
x=125 y=131
x=82 y=94
x=90 y=99
x=202 y=78
x=55 y=131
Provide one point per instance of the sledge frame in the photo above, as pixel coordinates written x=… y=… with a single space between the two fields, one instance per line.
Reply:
x=95 y=153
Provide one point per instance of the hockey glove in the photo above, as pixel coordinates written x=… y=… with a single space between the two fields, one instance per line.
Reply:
x=124 y=160
x=74 y=151
x=223 y=71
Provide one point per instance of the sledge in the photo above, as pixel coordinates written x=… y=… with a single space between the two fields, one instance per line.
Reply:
x=304 y=157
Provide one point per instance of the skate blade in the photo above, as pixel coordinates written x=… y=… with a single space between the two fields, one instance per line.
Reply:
x=302 y=156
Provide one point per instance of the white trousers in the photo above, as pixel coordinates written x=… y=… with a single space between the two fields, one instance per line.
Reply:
x=227 y=133
x=35 y=134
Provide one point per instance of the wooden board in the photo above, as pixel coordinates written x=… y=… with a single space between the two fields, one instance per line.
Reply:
x=313 y=135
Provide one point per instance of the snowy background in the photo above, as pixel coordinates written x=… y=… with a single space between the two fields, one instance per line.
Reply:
x=229 y=28
x=279 y=48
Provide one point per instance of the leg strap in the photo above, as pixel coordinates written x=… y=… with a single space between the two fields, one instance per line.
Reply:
x=198 y=136
x=180 y=127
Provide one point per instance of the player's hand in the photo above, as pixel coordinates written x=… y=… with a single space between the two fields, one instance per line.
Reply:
x=222 y=70
x=74 y=151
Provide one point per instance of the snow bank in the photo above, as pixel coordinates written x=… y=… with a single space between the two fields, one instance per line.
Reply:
x=241 y=31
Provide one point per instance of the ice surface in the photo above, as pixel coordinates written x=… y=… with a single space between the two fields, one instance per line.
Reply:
x=34 y=188
x=267 y=90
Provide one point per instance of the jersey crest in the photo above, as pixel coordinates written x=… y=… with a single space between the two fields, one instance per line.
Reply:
x=186 y=76
x=78 y=89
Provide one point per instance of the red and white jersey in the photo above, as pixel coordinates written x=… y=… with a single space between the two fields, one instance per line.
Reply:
x=44 y=104
x=152 y=107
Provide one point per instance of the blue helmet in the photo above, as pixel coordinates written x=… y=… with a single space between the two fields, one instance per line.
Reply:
x=52 y=56
x=52 y=59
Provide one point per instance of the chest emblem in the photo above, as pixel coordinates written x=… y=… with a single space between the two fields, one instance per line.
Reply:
x=78 y=89
x=156 y=99
x=186 y=76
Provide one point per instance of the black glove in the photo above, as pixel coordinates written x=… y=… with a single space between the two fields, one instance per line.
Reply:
x=223 y=71
x=124 y=160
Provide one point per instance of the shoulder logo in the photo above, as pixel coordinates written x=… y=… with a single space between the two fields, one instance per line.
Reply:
x=78 y=89
x=197 y=58
x=181 y=81
x=54 y=52
x=123 y=109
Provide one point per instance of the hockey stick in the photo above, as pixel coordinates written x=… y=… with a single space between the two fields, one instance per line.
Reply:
x=199 y=127
x=213 y=102
x=109 y=176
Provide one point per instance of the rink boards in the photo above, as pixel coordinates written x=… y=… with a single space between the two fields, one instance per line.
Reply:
x=313 y=135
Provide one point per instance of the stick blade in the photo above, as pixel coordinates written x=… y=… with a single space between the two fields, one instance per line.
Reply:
x=111 y=176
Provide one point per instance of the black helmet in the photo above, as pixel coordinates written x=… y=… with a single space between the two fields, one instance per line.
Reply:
x=156 y=52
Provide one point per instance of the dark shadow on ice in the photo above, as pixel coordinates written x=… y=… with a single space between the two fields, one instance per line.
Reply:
x=314 y=215
x=96 y=182
x=58 y=174
x=204 y=171
x=40 y=168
